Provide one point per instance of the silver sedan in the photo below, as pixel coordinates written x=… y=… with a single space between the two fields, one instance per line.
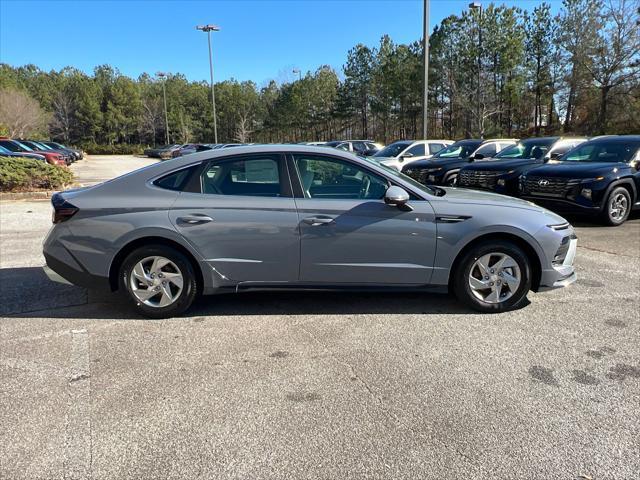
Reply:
x=289 y=216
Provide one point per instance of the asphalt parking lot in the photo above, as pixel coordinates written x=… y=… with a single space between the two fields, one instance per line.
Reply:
x=322 y=385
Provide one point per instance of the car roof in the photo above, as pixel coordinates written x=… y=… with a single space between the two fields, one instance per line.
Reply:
x=539 y=139
x=616 y=138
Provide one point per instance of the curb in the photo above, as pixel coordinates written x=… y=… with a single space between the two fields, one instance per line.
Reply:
x=43 y=195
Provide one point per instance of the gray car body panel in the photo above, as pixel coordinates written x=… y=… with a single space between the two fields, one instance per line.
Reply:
x=265 y=240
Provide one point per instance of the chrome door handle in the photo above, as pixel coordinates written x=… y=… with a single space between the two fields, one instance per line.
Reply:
x=317 y=221
x=195 y=219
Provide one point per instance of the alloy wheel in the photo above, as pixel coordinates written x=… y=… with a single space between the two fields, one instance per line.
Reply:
x=156 y=281
x=618 y=207
x=494 y=278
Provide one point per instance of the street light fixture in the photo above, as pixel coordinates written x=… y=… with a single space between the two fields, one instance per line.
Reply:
x=478 y=6
x=164 y=94
x=425 y=50
x=297 y=70
x=209 y=29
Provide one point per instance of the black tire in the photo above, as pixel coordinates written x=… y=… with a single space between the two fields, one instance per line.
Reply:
x=451 y=180
x=608 y=217
x=185 y=297
x=460 y=280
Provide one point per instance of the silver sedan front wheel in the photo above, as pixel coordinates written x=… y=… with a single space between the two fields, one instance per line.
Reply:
x=494 y=278
x=156 y=281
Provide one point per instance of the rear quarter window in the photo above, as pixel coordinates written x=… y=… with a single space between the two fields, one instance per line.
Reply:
x=176 y=181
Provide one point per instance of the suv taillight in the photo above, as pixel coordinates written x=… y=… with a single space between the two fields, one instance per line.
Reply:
x=62 y=210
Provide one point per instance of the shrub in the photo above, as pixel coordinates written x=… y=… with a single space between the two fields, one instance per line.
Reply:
x=24 y=174
x=118 y=149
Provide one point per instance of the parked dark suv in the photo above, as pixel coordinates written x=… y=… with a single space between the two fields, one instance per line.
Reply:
x=597 y=177
x=501 y=173
x=443 y=167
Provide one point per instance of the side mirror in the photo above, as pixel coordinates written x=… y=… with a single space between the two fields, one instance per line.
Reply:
x=555 y=156
x=397 y=197
x=405 y=155
x=477 y=156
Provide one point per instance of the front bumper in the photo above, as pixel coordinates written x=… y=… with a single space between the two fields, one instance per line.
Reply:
x=563 y=275
x=562 y=205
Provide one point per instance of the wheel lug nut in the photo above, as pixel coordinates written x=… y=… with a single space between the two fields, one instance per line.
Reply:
x=491 y=284
x=492 y=270
x=486 y=278
x=164 y=284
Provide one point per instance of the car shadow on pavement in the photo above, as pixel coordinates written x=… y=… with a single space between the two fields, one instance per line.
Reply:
x=26 y=292
x=591 y=221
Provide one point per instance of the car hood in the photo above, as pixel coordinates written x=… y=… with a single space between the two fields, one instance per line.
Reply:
x=383 y=159
x=576 y=169
x=476 y=197
x=497 y=164
x=439 y=162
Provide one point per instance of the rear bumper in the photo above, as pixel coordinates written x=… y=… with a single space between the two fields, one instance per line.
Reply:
x=62 y=272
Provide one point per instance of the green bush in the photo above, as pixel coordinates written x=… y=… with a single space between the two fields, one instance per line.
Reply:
x=118 y=149
x=25 y=174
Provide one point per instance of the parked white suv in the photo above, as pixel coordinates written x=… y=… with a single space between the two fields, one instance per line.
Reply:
x=400 y=153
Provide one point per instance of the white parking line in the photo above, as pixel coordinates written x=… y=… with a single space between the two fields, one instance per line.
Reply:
x=78 y=459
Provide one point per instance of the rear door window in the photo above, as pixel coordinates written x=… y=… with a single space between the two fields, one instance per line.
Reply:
x=417 y=150
x=488 y=150
x=255 y=176
x=435 y=148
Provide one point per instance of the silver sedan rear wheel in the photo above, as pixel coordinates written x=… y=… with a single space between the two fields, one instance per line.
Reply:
x=156 y=281
x=494 y=278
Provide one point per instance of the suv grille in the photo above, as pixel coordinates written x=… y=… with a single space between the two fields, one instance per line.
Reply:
x=548 y=186
x=418 y=174
x=478 y=178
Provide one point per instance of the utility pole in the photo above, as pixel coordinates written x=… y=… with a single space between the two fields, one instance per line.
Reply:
x=425 y=50
x=478 y=6
x=209 y=29
x=164 y=94
x=297 y=70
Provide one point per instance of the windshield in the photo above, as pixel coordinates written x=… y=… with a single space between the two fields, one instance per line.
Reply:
x=602 y=152
x=536 y=149
x=22 y=145
x=457 y=150
x=395 y=173
x=42 y=146
x=392 y=150
x=4 y=150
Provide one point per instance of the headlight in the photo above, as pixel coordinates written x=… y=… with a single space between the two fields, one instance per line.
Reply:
x=502 y=182
x=431 y=170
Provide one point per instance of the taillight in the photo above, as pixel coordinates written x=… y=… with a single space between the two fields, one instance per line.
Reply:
x=62 y=210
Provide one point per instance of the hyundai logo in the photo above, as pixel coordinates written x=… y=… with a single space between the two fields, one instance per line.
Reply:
x=543 y=182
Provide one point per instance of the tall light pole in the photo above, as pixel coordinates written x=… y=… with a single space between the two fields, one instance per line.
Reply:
x=425 y=50
x=478 y=6
x=164 y=94
x=297 y=70
x=209 y=29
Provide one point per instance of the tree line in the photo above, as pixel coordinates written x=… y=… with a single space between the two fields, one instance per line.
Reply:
x=500 y=71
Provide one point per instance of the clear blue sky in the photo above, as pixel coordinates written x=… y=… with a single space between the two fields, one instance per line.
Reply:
x=259 y=40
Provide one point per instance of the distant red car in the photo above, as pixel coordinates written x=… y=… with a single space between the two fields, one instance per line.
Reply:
x=14 y=146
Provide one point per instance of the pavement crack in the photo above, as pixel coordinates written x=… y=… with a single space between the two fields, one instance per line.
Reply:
x=78 y=461
x=600 y=250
